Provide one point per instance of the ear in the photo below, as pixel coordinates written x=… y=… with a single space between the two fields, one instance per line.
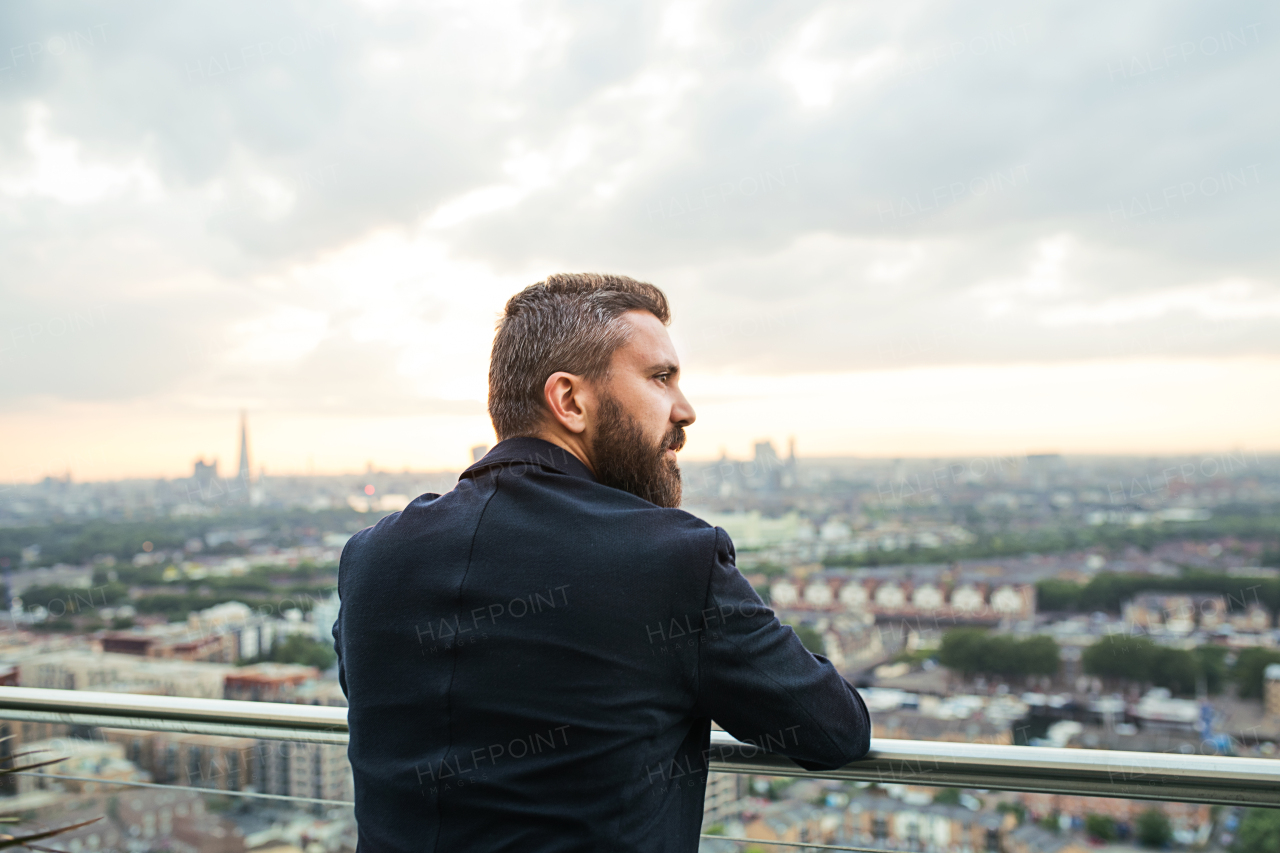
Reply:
x=568 y=400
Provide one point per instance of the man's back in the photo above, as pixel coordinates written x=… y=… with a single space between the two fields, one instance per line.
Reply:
x=532 y=662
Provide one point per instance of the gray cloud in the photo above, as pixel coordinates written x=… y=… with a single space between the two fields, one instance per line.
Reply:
x=821 y=187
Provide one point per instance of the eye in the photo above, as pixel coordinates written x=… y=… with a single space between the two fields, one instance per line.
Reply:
x=664 y=378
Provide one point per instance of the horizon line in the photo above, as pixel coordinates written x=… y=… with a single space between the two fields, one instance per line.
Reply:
x=1117 y=455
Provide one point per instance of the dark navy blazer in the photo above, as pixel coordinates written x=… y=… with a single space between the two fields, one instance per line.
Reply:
x=533 y=661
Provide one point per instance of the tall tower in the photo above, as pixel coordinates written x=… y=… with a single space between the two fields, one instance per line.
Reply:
x=792 y=479
x=244 y=472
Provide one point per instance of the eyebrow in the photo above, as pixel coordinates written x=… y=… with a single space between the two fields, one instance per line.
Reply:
x=665 y=368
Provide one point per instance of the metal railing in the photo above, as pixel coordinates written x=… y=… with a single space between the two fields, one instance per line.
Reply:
x=1212 y=779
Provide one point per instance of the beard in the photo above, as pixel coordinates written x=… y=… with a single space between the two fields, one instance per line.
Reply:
x=625 y=459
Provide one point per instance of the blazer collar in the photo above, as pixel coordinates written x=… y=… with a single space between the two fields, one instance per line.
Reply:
x=531 y=451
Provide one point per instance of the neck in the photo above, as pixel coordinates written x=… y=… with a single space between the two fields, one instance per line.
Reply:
x=572 y=442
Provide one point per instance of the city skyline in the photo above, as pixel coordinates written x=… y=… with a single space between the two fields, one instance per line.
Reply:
x=1098 y=419
x=217 y=460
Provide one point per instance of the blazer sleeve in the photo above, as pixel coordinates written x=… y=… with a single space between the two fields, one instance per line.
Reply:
x=336 y=630
x=758 y=681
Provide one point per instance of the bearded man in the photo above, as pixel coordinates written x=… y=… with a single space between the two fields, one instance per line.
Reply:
x=533 y=660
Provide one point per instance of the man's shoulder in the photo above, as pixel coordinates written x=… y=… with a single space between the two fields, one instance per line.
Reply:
x=629 y=526
x=390 y=526
x=681 y=530
x=668 y=520
x=683 y=522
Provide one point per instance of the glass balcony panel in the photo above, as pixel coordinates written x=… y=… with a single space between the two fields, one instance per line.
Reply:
x=135 y=789
x=774 y=813
x=224 y=777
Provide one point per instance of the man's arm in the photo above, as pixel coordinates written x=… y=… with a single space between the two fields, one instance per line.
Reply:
x=337 y=647
x=758 y=681
x=336 y=630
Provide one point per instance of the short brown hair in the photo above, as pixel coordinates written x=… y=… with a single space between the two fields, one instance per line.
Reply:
x=569 y=322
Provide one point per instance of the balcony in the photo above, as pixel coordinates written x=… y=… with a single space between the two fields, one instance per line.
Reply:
x=1213 y=780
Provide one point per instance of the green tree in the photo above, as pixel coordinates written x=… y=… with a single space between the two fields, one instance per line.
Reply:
x=1259 y=832
x=962 y=649
x=769 y=570
x=811 y=639
x=947 y=797
x=1212 y=666
x=297 y=648
x=71 y=599
x=1109 y=591
x=973 y=650
x=1100 y=827
x=1140 y=660
x=1054 y=594
x=1176 y=669
x=1153 y=829
x=1270 y=556
x=1126 y=658
x=1039 y=656
x=1018 y=810
x=1249 y=670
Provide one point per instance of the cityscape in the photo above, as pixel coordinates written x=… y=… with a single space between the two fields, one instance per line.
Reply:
x=1040 y=600
x=960 y=321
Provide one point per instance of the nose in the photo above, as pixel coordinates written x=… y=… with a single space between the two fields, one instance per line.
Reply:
x=682 y=412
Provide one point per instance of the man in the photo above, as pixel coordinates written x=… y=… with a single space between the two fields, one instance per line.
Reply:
x=533 y=660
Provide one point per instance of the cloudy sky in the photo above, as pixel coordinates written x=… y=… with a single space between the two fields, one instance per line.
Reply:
x=887 y=229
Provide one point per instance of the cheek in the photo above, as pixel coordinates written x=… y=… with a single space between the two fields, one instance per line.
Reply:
x=657 y=417
x=650 y=407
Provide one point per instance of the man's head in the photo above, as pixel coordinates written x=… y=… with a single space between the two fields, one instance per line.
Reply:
x=584 y=361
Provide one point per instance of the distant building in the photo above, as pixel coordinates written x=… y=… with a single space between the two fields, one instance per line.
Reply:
x=1042 y=467
x=1271 y=689
x=224 y=633
x=267 y=682
x=244 y=472
x=139 y=819
x=879 y=821
x=914 y=725
x=172 y=820
x=752 y=529
x=1183 y=816
x=80 y=577
x=250 y=633
x=179 y=645
x=1157 y=709
x=95 y=759
x=205 y=473
x=191 y=760
x=1157 y=612
x=1032 y=839
x=768 y=468
x=123 y=673
x=323 y=615
x=724 y=790
x=290 y=768
x=15 y=733
x=478 y=452
x=887 y=599
x=298 y=769
x=1253 y=620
